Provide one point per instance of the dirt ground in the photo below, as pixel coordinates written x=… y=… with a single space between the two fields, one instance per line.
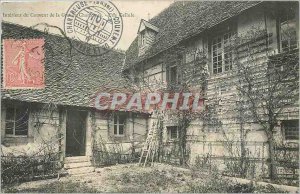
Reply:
x=120 y=178
x=134 y=179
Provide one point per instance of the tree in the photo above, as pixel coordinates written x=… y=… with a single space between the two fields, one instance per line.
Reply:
x=189 y=77
x=266 y=83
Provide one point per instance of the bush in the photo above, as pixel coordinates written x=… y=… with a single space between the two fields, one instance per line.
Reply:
x=140 y=181
x=212 y=184
x=202 y=163
x=56 y=187
x=217 y=185
x=102 y=158
x=17 y=169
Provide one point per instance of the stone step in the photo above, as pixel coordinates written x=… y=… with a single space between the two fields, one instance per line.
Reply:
x=76 y=159
x=77 y=165
x=82 y=170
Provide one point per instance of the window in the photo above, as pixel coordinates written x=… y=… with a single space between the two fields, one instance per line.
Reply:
x=173 y=75
x=173 y=132
x=142 y=38
x=290 y=129
x=119 y=124
x=16 y=121
x=222 y=89
x=288 y=34
x=155 y=74
x=221 y=54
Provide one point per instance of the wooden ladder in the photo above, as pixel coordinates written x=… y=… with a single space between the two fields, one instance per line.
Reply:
x=150 y=147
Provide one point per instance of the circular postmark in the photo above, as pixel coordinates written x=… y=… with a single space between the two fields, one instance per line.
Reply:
x=95 y=25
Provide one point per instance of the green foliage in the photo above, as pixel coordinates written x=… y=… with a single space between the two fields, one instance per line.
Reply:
x=102 y=158
x=56 y=187
x=26 y=168
x=203 y=162
x=267 y=189
x=210 y=185
x=144 y=181
x=167 y=180
x=171 y=153
x=234 y=168
x=134 y=179
x=217 y=185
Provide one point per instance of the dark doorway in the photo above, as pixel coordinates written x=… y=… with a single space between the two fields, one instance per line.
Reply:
x=76 y=133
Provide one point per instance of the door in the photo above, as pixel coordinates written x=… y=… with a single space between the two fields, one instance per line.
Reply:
x=76 y=133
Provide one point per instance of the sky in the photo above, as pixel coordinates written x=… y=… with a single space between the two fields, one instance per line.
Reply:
x=132 y=10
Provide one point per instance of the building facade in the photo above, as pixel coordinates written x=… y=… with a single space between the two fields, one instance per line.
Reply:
x=62 y=118
x=201 y=52
x=190 y=46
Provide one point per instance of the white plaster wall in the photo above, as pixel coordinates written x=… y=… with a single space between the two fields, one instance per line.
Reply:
x=140 y=128
x=38 y=137
x=135 y=130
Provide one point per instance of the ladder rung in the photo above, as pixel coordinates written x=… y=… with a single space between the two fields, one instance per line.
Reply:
x=149 y=144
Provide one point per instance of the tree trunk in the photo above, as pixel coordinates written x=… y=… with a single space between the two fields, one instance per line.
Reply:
x=243 y=151
x=243 y=167
x=182 y=140
x=272 y=161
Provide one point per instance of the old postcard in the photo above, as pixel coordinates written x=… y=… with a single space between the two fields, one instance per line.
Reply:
x=150 y=96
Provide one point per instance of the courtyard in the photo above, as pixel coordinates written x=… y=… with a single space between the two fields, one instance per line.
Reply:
x=133 y=178
x=205 y=91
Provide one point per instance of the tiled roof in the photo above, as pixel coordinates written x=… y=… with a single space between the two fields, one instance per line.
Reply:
x=71 y=78
x=185 y=19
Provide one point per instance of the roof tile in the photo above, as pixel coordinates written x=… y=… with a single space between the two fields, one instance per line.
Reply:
x=71 y=78
x=184 y=19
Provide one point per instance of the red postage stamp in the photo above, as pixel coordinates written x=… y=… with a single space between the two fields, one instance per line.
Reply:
x=23 y=64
